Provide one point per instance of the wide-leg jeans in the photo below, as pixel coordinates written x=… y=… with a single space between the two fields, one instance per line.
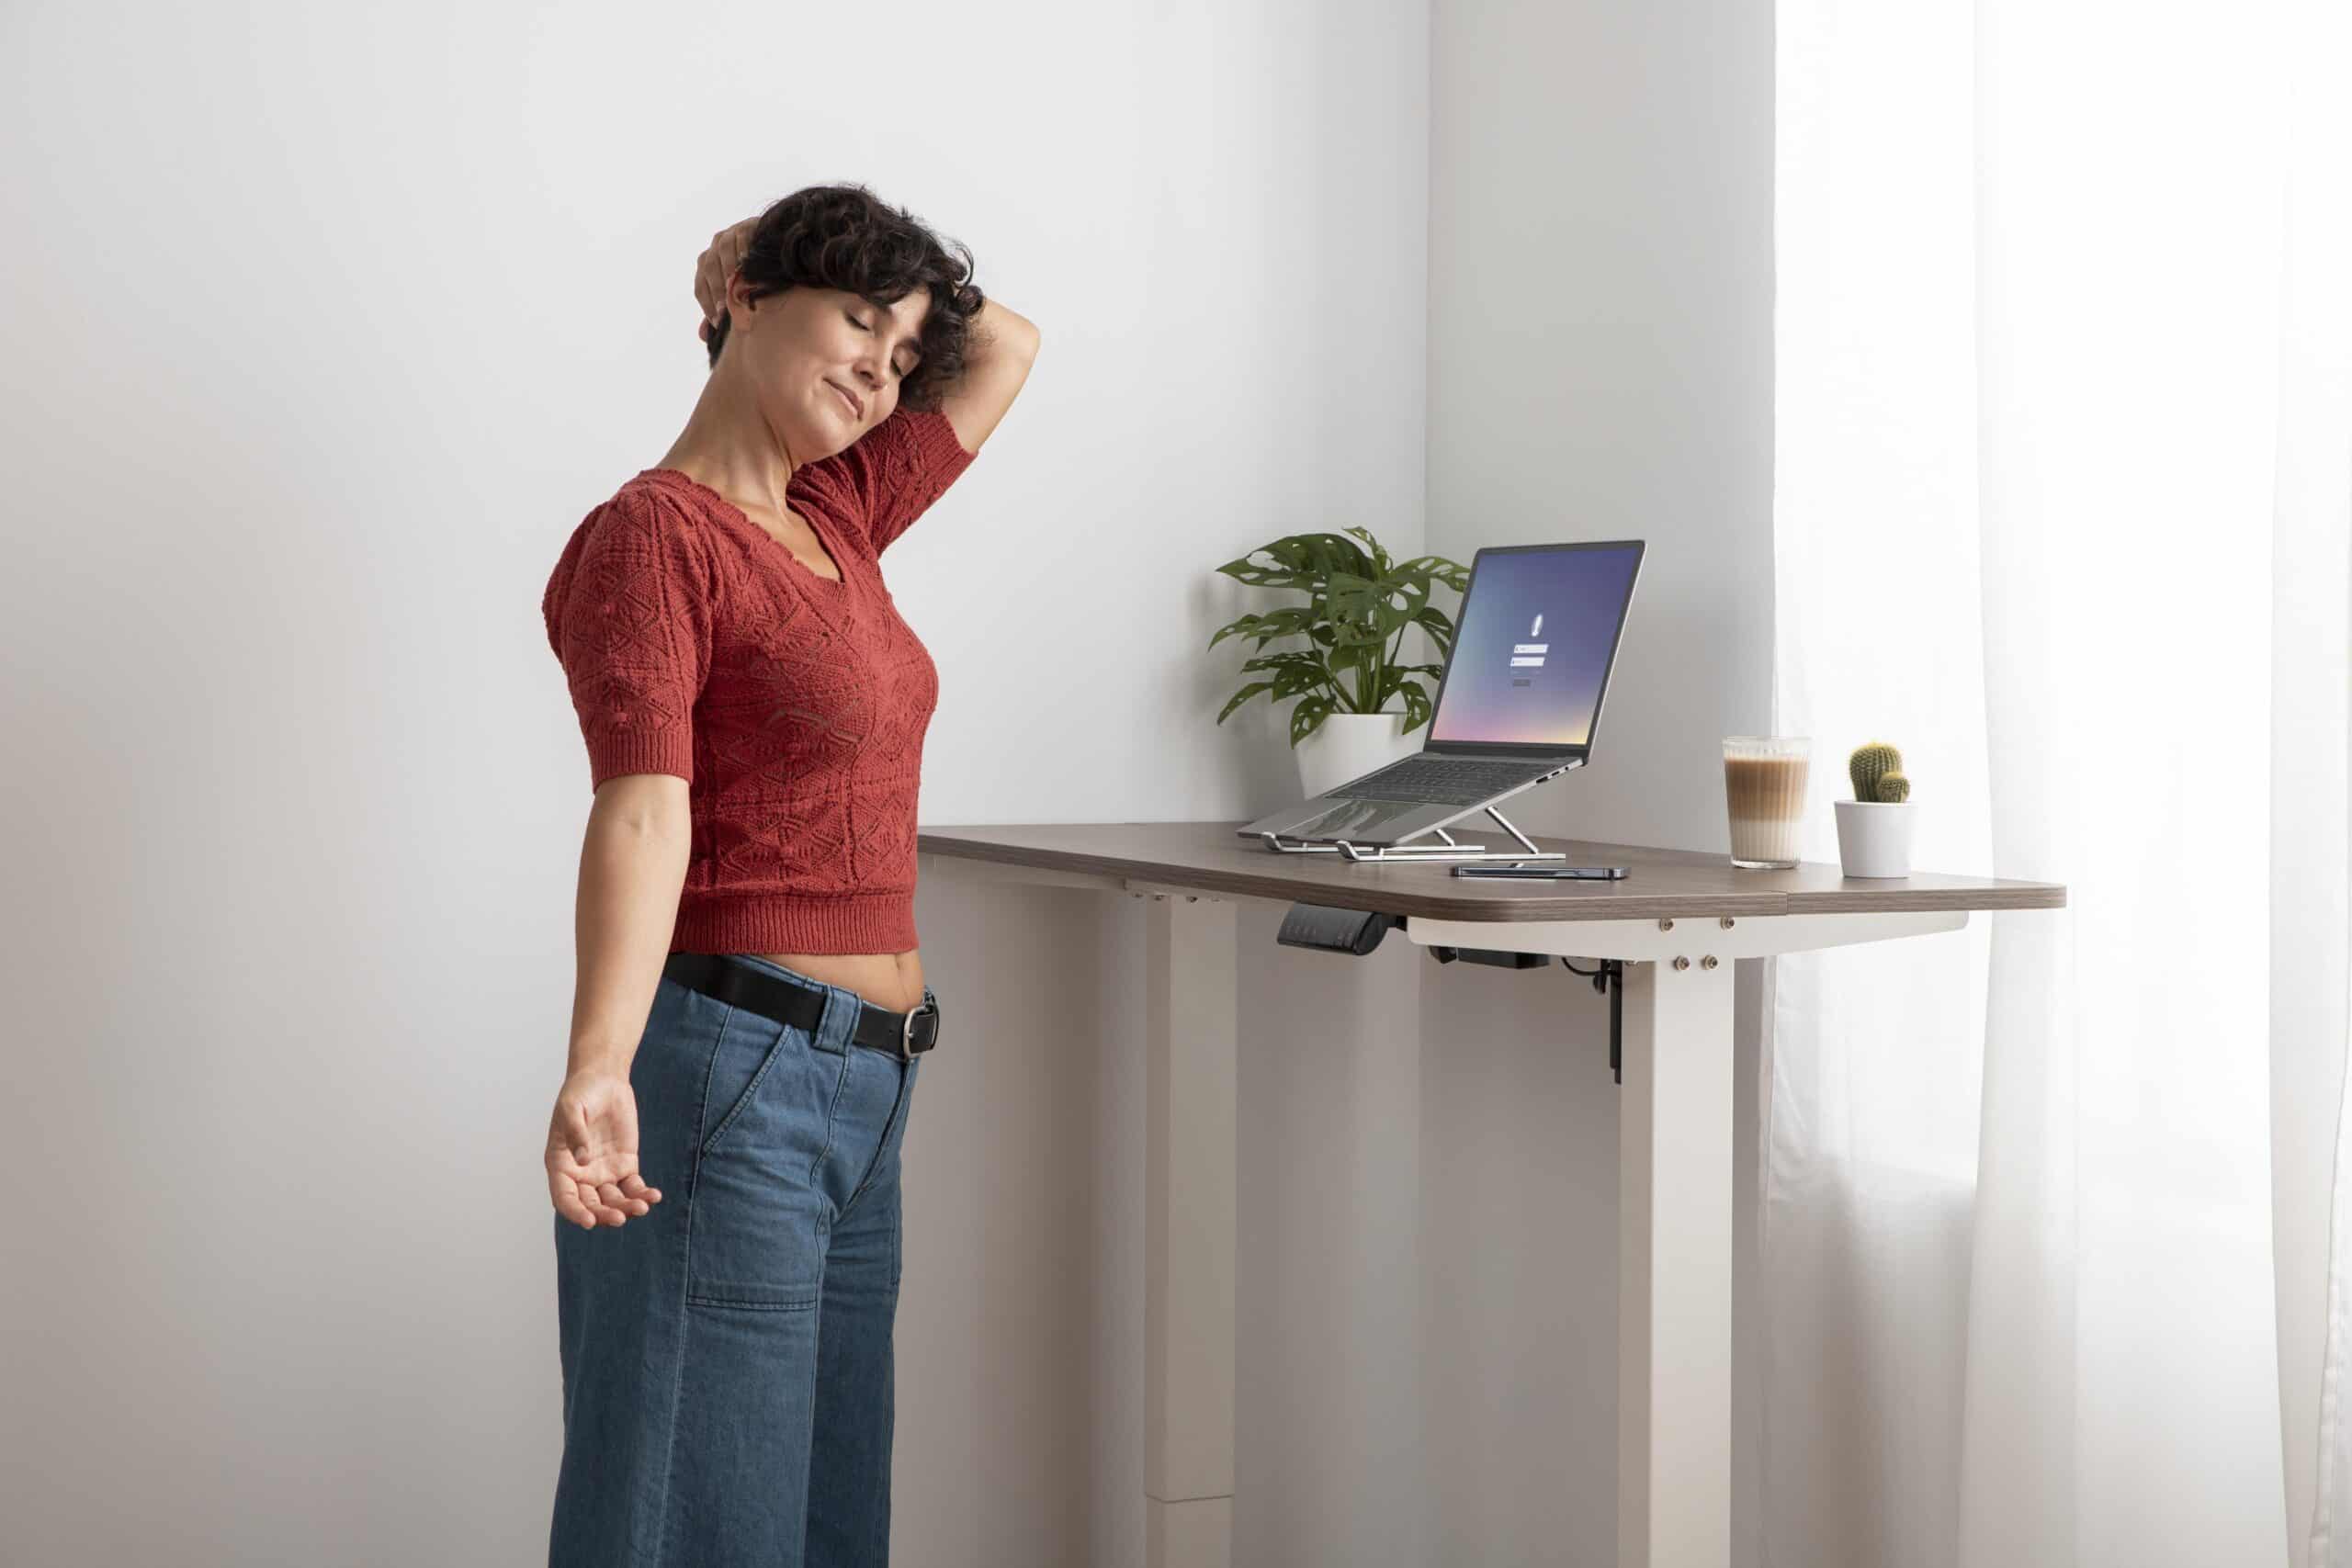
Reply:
x=727 y=1390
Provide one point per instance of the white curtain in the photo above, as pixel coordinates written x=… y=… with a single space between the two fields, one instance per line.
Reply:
x=2064 y=489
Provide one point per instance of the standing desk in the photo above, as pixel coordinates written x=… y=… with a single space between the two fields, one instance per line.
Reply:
x=1674 y=925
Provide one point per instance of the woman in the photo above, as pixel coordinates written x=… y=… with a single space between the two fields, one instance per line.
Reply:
x=749 y=1001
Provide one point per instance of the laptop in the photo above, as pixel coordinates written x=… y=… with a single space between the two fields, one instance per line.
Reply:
x=1518 y=701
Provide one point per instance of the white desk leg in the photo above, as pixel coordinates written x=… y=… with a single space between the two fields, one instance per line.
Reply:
x=1189 y=1221
x=1674 y=1262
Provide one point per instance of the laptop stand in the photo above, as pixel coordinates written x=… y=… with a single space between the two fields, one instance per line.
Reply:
x=1449 y=851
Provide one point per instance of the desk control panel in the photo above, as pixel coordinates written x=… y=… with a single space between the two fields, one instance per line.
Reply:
x=1352 y=932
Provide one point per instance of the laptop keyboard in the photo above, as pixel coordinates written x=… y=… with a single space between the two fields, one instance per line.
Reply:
x=1448 y=780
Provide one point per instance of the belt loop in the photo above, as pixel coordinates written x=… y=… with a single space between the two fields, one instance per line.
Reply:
x=833 y=1034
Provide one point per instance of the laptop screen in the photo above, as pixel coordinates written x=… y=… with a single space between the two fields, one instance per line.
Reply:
x=1538 y=633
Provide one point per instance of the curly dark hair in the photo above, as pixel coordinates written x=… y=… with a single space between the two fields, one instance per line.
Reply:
x=843 y=236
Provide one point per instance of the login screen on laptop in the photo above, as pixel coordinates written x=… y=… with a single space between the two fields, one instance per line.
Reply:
x=1538 y=629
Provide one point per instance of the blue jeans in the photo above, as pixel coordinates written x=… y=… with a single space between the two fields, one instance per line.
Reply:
x=727 y=1357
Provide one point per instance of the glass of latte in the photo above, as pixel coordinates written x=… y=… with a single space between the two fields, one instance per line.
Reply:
x=1764 y=779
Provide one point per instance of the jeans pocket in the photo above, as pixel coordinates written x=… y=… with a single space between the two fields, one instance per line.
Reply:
x=755 y=1211
x=748 y=1046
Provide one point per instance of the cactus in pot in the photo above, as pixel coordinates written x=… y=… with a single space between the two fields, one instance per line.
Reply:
x=1874 y=827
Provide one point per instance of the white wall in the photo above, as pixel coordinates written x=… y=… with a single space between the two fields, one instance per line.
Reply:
x=1601 y=314
x=331 y=324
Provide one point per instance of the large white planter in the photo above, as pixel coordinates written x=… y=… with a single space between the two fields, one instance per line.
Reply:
x=1875 y=837
x=1349 y=745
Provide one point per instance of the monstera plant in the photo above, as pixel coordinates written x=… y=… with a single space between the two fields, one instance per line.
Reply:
x=1359 y=603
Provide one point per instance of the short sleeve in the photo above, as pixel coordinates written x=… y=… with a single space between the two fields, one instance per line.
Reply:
x=630 y=611
x=894 y=472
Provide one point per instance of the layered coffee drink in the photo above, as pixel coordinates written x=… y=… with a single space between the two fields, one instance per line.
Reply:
x=1764 y=782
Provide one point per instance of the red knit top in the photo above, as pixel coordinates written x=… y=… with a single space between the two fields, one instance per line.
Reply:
x=695 y=643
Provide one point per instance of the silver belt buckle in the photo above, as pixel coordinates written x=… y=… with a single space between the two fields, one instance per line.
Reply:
x=907 y=1025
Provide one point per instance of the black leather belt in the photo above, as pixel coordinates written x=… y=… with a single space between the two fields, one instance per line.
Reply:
x=901 y=1034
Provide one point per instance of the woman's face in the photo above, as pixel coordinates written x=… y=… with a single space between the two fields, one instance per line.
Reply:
x=809 y=351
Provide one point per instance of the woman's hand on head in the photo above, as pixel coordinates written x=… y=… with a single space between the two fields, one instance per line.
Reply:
x=715 y=266
x=593 y=1177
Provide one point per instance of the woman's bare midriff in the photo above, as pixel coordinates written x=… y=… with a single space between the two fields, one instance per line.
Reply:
x=892 y=980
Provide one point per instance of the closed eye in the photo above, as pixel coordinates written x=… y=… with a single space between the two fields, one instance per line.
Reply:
x=896 y=368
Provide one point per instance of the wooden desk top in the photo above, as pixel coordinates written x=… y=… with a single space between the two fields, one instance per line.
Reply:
x=1214 y=858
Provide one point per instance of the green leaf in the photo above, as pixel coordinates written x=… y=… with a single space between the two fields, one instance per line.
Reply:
x=1416 y=705
x=1243 y=695
x=1439 y=629
x=1304 y=718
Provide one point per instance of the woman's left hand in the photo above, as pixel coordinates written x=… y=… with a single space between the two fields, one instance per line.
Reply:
x=715 y=266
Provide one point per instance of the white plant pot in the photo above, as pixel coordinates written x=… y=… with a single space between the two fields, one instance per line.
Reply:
x=1349 y=745
x=1875 y=837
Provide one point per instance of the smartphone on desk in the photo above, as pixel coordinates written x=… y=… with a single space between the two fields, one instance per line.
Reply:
x=1544 y=873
